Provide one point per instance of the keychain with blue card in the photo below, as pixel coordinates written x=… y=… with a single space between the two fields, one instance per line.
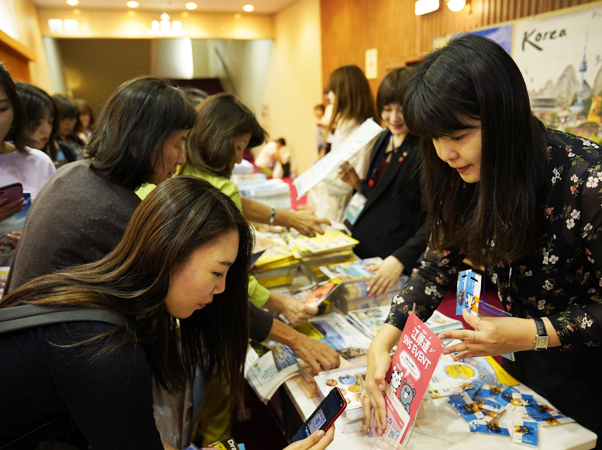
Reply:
x=468 y=293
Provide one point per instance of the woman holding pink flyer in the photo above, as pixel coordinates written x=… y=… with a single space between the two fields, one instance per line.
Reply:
x=519 y=199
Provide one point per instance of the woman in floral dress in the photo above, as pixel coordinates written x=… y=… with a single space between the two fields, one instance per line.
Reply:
x=521 y=200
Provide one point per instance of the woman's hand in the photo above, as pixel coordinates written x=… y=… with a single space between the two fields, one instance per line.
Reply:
x=294 y=310
x=379 y=362
x=317 y=441
x=306 y=222
x=385 y=275
x=494 y=336
x=13 y=238
x=315 y=353
x=10 y=209
x=348 y=175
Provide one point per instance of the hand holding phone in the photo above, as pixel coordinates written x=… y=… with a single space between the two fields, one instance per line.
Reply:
x=324 y=416
x=317 y=441
x=11 y=200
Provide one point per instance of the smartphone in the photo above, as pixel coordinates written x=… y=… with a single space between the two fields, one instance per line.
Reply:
x=324 y=416
x=11 y=192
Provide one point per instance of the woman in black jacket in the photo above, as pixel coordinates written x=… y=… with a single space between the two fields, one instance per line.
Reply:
x=389 y=218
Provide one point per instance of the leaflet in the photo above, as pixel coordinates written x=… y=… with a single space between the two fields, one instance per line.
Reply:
x=333 y=160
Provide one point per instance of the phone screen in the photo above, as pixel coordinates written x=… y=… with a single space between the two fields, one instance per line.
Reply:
x=324 y=415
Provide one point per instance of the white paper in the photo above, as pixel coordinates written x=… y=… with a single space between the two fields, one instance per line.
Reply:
x=333 y=160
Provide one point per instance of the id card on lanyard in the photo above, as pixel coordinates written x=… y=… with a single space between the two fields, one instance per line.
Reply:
x=358 y=201
x=355 y=207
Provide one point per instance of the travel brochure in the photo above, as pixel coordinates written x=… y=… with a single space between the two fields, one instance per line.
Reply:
x=362 y=268
x=370 y=320
x=333 y=160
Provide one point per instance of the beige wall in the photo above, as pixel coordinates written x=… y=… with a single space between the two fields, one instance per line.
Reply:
x=95 y=67
x=295 y=80
x=30 y=35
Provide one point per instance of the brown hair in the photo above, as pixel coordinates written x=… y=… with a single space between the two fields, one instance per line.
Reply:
x=133 y=126
x=221 y=119
x=353 y=98
x=180 y=216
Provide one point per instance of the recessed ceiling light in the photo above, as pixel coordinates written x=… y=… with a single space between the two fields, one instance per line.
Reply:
x=248 y=8
x=73 y=2
x=191 y=5
x=132 y=4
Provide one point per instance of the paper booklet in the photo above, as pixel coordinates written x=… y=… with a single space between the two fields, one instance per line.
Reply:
x=362 y=268
x=316 y=294
x=349 y=380
x=339 y=333
x=333 y=160
x=267 y=366
x=412 y=366
x=370 y=320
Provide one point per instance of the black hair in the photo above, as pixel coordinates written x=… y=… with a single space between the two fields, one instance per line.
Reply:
x=281 y=141
x=38 y=104
x=16 y=133
x=135 y=122
x=393 y=88
x=473 y=78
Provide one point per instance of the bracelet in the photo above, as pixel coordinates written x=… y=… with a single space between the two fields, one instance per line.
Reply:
x=272 y=216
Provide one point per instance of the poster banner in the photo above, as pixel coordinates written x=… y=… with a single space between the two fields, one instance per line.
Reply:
x=560 y=57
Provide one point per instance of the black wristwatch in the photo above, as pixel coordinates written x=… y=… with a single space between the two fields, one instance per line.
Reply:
x=541 y=338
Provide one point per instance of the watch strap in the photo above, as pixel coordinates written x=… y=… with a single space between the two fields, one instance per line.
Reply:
x=541 y=339
x=272 y=216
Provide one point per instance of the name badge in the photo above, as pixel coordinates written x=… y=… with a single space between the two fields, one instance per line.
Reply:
x=355 y=207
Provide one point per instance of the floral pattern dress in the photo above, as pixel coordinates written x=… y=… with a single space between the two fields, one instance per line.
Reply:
x=562 y=280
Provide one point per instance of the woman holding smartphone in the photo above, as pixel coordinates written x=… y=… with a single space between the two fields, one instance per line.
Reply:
x=520 y=199
x=183 y=259
x=19 y=163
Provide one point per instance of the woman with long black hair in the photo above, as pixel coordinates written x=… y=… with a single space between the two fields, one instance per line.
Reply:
x=523 y=201
x=179 y=278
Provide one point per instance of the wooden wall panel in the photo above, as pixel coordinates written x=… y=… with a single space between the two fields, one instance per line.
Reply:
x=350 y=27
x=17 y=66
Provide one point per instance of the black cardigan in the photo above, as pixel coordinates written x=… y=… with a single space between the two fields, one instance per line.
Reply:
x=393 y=221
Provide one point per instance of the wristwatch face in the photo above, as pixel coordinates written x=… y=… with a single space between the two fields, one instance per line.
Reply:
x=541 y=343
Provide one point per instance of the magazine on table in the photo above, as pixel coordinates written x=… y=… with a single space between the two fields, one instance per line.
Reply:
x=267 y=366
x=349 y=380
x=361 y=268
x=339 y=333
x=370 y=320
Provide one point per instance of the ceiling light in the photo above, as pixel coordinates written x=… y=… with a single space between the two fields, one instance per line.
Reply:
x=132 y=4
x=73 y=2
x=456 y=5
x=425 y=6
x=248 y=8
x=191 y=5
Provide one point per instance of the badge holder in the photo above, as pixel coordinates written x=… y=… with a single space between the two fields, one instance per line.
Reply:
x=355 y=207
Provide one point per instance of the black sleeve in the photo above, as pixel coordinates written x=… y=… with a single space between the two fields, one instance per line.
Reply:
x=109 y=395
x=261 y=323
x=410 y=252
